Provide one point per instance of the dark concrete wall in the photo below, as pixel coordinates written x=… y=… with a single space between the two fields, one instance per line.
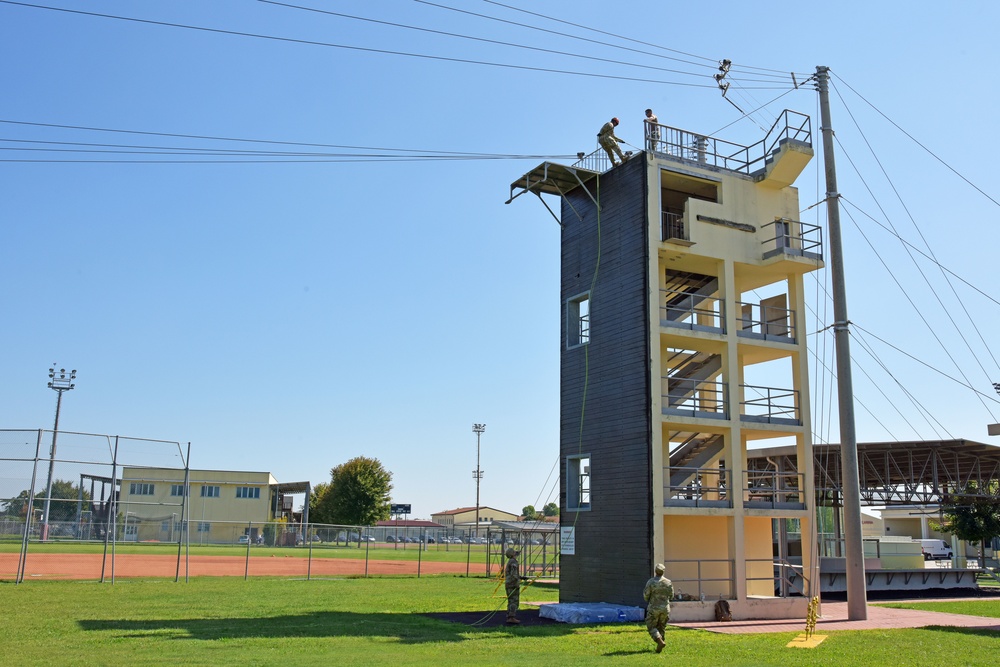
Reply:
x=614 y=538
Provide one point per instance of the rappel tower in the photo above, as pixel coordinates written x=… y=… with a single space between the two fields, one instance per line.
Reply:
x=683 y=348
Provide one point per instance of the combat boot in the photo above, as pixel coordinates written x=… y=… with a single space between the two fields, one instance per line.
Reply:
x=660 y=644
x=512 y=620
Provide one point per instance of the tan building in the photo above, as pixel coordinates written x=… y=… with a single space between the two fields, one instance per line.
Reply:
x=220 y=505
x=464 y=518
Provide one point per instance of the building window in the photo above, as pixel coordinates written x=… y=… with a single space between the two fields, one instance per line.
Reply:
x=204 y=527
x=578 y=320
x=178 y=490
x=140 y=489
x=248 y=492
x=209 y=491
x=578 y=482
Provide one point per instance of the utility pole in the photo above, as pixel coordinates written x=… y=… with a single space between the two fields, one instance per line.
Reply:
x=857 y=595
x=478 y=429
x=58 y=382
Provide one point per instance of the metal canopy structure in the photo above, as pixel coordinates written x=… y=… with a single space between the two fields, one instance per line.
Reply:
x=553 y=179
x=288 y=488
x=922 y=472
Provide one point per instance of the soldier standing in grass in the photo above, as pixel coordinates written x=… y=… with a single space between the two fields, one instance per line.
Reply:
x=512 y=582
x=658 y=592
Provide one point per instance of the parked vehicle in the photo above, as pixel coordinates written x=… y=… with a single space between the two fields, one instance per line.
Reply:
x=935 y=549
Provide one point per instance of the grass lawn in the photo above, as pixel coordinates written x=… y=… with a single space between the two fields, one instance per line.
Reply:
x=987 y=608
x=228 y=621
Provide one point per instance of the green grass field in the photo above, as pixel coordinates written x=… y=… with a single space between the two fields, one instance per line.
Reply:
x=343 y=622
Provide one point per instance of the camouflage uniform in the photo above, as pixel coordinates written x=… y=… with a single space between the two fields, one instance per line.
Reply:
x=512 y=583
x=658 y=592
x=609 y=142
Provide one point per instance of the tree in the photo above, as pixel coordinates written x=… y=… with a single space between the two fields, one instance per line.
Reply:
x=972 y=517
x=317 y=507
x=358 y=494
x=551 y=510
x=529 y=512
x=59 y=507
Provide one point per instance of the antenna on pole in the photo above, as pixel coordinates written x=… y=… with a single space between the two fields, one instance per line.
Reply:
x=857 y=601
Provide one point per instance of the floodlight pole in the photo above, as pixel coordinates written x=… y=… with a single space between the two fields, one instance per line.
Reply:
x=857 y=595
x=478 y=429
x=59 y=383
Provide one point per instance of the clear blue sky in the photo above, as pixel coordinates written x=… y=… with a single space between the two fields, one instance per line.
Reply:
x=290 y=316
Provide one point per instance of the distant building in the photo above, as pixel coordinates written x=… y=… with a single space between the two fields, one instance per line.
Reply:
x=464 y=518
x=220 y=505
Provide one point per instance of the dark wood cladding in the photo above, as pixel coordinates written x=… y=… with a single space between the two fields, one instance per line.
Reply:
x=614 y=538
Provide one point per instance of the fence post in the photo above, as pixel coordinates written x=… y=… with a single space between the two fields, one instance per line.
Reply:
x=420 y=550
x=468 y=555
x=246 y=568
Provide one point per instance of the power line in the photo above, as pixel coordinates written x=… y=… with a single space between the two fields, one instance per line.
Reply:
x=243 y=161
x=930 y=286
x=902 y=289
x=747 y=114
x=923 y=363
x=260 y=141
x=924 y=412
x=914 y=140
x=484 y=39
x=917 y=250
x=365 y=49
x=714 y=61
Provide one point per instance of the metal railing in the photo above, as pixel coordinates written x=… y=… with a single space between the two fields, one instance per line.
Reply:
x=691 y=311
x=770 y=405
x=789 y=126
x=697 y=579
x=597 y=161
x=786 y=578
x=699 y=487
x=770 y=488
x=699 y=398
x=672 y=226
x=758 y=320
x=785 y=236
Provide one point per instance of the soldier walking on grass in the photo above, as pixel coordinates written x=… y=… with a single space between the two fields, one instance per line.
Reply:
x=512 y=583
x=658 y=592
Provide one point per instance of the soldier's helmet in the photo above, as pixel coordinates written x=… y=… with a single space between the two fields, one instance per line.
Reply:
x=511 y=552
x=659 y=568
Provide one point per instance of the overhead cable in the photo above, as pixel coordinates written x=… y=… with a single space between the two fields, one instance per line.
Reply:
x=363 y=49
x=930 y=249
x=484 y=39
x=710 y=62
x=926 y=280
x=914 y=140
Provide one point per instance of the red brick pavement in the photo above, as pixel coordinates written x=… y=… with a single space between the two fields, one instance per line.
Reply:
x=834 y=617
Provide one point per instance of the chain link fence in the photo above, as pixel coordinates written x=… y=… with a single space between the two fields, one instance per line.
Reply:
x=98 y=507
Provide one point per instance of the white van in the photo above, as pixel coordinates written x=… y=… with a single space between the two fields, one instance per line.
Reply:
x=935 y=549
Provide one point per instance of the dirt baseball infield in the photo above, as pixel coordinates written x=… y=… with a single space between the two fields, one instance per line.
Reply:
x=92 y=566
